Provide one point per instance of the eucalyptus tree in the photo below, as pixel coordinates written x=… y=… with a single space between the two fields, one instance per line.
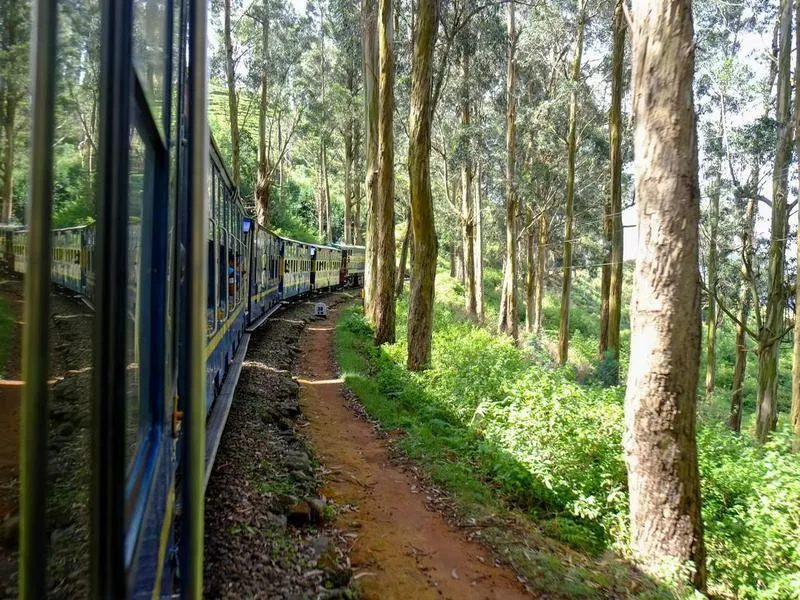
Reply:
x=369 y=22
x=660 y=426
x=14 y=26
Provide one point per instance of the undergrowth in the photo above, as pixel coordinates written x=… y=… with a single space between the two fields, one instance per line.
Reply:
x=500 y=430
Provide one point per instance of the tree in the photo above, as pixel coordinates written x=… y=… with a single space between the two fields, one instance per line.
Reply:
x=423 y=267
x=384 y=211
x=13 y=85
x=660 y=428
x=572 y=147
x=795 y=408
x=369 y=13
x=772 y=329
x=612 y=341
x=233 y=98
x=712 y=283
x=509 y=320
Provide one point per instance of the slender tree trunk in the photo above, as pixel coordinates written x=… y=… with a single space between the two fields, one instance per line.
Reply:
x=479 y=307
x=370 y=19
x=769 y=339
x=423 y=267
x=233 y=99
x=735 y=418
x=327 y=195
x=605 y=280
x=541 y=266
x=794 y=415
x=530 y=281
x=711 y=325
x=660 y=402
x=509 y=320
x=615 y=139
x=348 y=183
x=262 y=185
x=572 y=147
x=467 y=207
x=386 y=271
x=401 y=271
x=9 y=129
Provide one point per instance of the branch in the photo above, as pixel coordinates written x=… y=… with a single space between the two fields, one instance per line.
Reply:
x=722 y=306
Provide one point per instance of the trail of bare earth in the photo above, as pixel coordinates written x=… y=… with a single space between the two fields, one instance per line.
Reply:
x=402 y=550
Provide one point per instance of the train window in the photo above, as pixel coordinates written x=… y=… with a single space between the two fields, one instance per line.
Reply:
x=213 y=292
x=150 y=53
x=137 y=186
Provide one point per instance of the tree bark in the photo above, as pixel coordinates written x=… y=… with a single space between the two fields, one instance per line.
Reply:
x=348 y=183
x=605 y=280
x=794 y=414
x=327 y=195
x=735 y=418
x=479 y=306
x=423 y=267
x=509 y=321
x=615 y=138
x=770 y=334
x=401 y=271
x=370 y=19
x=263 y=183
x=467 y=207
x=9 y=128
x=541 y=266
x=233 y=100
x=530 y=280
x=711 y=325
x=572 y=147
x=660 y=402
x=384 y=214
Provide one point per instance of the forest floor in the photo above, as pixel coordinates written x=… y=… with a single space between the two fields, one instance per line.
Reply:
x=402 y=546
x=68 y=442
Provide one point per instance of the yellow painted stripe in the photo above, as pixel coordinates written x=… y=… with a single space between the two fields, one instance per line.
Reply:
x=220 y=334
x=162 y=547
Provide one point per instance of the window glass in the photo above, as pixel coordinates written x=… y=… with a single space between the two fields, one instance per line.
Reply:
x=150 y=52
x=137 y=186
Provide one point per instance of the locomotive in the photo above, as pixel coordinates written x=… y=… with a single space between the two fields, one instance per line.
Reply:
x=178 y=275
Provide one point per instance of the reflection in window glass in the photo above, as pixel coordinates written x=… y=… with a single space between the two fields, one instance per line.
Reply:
x=136 y=198
x=149 y=51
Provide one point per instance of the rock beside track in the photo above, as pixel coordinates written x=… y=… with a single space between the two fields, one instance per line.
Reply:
x=266 y=530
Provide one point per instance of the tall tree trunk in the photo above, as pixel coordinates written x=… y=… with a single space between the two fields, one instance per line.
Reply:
x=369 y=10
x=327 y=195
x=711 y=325
x=386 y=271
x=605 y=279
x=467 y=208
x=530 y=280
x=262 y=185
x=423 y=267
x=770 y=334
x=615 y=139
x=541 y=266
x=660 y=402
x=479 y=307
x=794 y=415
x=509 y=320
x=735 y=418
x=9 y=129
x=348 y=183
x=401 y=271
x=233 y=99
x=572 y=147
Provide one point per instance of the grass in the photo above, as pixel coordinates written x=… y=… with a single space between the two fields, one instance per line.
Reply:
x=6 y=335
x=531 y=453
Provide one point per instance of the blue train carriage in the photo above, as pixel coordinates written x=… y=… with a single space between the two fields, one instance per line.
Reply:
x=265 y=252
x=7 y=246
x=227 y=277
x=20 y=249
x=353 y=258
x=295 y=268
x=326 y=267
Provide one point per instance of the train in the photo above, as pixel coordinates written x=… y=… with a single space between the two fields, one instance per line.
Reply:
x=251 y=271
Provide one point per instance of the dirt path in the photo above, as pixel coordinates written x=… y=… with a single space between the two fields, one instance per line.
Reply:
x=402 y=550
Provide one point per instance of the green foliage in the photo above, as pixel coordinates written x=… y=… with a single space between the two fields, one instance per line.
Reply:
x=533 y=437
